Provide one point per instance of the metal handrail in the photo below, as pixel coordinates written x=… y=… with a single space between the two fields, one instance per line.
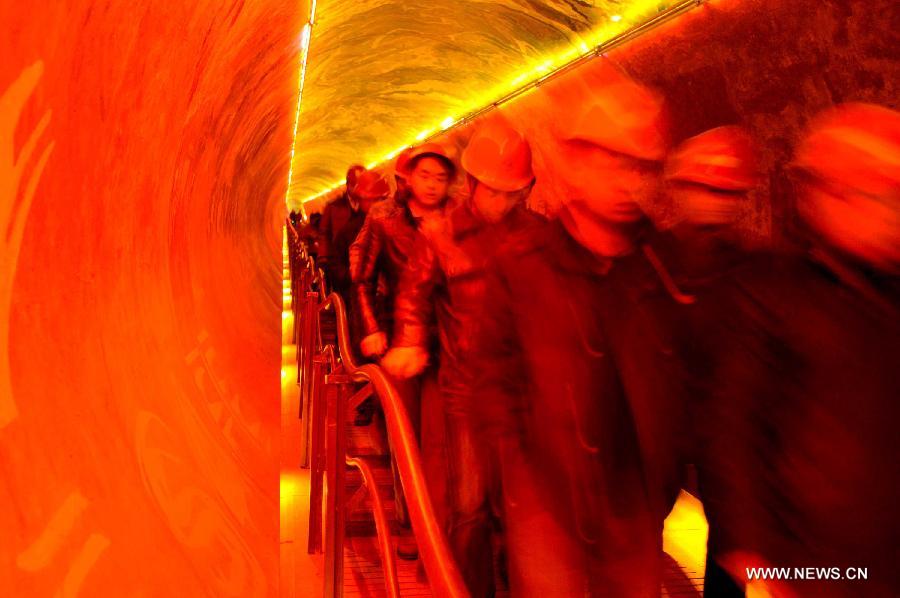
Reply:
x=441 y=568
x=443 y=574
x=382 y=529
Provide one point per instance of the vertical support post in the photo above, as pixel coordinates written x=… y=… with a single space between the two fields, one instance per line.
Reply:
x=309 y=338
x=336 y=389
x=317 y=456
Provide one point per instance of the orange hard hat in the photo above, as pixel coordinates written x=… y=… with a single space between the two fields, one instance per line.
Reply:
x=435 y=150
x=401 y=164
x=352 y=174
x=854 y=145
x=371 y=184
x=721 y=158
x=498 y=156
x=600 y=105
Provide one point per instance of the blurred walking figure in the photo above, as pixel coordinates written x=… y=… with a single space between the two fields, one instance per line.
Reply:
x=709 y=178
x=576 y=386
x=447 y=284
x=806 y=408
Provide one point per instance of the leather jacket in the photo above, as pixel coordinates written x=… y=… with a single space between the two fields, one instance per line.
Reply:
x=384 y=246
x=445 y=285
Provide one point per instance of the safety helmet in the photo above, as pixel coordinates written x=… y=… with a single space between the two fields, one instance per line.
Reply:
x=401 y=164
x=721 y=158
x=434 y=150
x=600 y=105
x=498 y=156
x=371 y=184
x=352 y=174
x=854 y=145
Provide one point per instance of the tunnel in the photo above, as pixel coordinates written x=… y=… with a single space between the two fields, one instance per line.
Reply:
x=149 y=155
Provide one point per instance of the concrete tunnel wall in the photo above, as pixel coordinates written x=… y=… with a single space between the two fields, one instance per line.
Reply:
x=144 y=152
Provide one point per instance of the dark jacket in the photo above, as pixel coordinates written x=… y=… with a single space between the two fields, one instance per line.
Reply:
x=446 y=285
x=384 y=247
x=699 y=262
x=339 y=227
x=804 y=434
x=576 y=353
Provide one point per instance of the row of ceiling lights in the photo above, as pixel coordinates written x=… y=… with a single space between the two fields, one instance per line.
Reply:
x=586 y=50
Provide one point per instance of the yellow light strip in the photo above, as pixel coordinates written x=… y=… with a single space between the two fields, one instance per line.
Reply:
x=546 y=70
x=305 y=37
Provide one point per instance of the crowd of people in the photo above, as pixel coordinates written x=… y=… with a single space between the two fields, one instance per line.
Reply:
x=567 y=372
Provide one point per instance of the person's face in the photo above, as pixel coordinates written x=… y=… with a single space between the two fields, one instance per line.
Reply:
x=492 y=204
x=613 y=186
x=703 y=206
x=865 y=226
x=429 y=181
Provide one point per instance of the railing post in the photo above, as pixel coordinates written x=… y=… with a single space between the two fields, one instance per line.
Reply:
x=317 y=455
x=309 y=338
x=336 y=389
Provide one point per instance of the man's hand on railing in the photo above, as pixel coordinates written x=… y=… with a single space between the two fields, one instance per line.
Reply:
x=374 y=345
x=405 y=362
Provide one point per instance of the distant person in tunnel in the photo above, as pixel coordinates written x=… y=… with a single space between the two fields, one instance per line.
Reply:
x=805 y=414
x=341 y=221
x=577 y=384
x=385 y=248
x=447 y=283
x=312 y=233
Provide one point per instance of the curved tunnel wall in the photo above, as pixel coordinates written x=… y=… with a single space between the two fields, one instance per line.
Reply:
x=144 y=151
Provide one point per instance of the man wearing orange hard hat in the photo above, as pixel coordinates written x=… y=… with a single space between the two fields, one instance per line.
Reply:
x=806 y=408
x=710 y=175
x=851 y=162
x=383 y=250
x=574 y=387
x=446 y=284
x=371 y=187
x=708 y=178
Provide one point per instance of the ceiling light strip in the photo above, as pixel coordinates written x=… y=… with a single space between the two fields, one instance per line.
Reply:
x=305 y=38
x=602 y=48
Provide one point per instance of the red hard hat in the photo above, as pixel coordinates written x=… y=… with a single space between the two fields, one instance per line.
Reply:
x=498 y=156
x=371 y=184
x=854 y=145
x=600 y=105
x=435 y=150
x=721 y=158
x=402 y=162
x=352 y=173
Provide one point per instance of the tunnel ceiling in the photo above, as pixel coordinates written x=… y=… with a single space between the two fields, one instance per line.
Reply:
x=382 y=72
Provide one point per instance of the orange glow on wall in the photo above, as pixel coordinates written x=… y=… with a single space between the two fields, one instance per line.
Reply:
x=143 y=160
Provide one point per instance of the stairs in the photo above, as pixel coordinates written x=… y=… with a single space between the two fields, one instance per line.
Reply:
x=363 y=574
